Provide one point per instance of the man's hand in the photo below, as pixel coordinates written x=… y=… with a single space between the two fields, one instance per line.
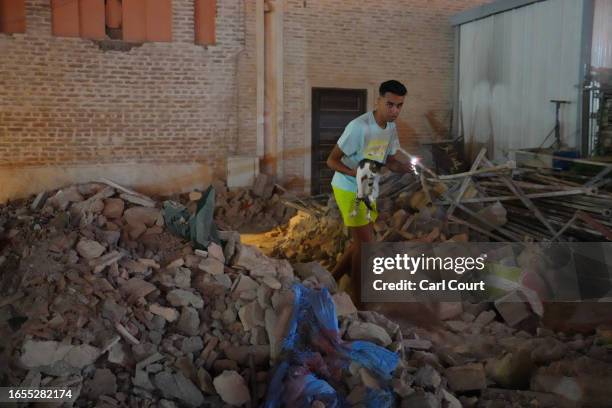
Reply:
x=399 y=166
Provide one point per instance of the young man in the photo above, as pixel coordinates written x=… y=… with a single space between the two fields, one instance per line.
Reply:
x=373 y=136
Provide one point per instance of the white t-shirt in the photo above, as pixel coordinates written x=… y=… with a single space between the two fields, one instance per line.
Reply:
x=364 y=139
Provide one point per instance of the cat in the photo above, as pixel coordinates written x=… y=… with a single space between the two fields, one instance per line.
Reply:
x=368 y=176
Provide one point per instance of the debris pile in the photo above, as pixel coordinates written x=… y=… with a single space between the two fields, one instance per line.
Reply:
x=490 y=202
x=311 y=237
x=498 y=203
x=98 y=296
x=260 y=207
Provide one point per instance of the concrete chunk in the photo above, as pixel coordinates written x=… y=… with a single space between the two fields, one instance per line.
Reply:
x=232 y=388
x=469 y=377
x=369 y=332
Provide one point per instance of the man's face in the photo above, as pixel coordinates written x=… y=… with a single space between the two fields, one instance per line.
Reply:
x=390 y=105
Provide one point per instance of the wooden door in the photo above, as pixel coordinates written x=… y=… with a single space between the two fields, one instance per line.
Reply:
x=332 y=110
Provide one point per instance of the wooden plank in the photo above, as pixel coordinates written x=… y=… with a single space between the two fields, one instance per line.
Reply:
x=91 y=19
x=593 y=223
x=492 y=199
x=205 y=22
x=12 y=16
x=134 y=20
x=524 y=199
x=159 y=20
x=466 y=182
x=65 y=18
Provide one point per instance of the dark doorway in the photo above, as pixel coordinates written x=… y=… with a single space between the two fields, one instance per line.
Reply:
x=332 y=110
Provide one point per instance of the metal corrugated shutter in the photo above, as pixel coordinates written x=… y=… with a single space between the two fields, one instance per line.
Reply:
x=511 y=65
x=601 y=54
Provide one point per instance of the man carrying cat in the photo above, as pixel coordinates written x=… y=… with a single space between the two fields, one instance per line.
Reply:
x=371 y=136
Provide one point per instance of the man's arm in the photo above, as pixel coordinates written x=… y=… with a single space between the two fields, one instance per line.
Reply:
x=334 y=162
x=397 y=165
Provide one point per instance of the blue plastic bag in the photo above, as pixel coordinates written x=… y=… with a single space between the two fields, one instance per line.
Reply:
x=312 y=353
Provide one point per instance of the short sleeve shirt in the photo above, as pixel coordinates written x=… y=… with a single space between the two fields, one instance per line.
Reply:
x=364 y=139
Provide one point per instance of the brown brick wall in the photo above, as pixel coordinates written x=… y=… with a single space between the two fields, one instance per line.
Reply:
x=65 y=101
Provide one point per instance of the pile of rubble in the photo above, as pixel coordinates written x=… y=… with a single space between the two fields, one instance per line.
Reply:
x=317 y=233
x=256 y=209
x=312 y=237
x=99 y=297
x=488 y=203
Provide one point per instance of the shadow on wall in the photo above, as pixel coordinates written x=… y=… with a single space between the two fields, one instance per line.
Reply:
x=21 y=182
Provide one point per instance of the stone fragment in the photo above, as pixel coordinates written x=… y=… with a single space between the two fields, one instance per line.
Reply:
x=216 y=251
x=113 y=208
x=192 y=344
x=98 y=264
x=182 y=277
x=195 y=195
x=546 y=350
x=224 y=280
x=368 y=379
x=112 y=310
x=181 y=297
x=271 y=282
x=240 y=354
x=58 y=359
x=232 y=388
x=451 y=400
x=369 y=332
x=142 y=380
x=457 y=325
x=205 y=381
x=417 y=344
x=177 y=386
x=450 y=310
x=344 y=304
x=117 y=354
x=512 y=371
x=212 y=266
x=314 y=269
x=263 y=186
x=244 y=283
x=138 y=200
x=141 y=215
x=189 y=322
x=468 y=377
x=485 y=318
x=427 y=377
x=513 y=308
x=89 y=249
x=251 y=315
x=103 y=382
x=137 y=288
x=253 y=260
x=426 y=400
x=167 y=313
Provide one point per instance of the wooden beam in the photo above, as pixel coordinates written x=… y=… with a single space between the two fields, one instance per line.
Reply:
x=466 y=182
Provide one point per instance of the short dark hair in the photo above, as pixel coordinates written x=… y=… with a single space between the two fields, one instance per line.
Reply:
x=393 y=86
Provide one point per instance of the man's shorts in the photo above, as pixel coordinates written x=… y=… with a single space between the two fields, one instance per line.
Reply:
x=345 y=200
